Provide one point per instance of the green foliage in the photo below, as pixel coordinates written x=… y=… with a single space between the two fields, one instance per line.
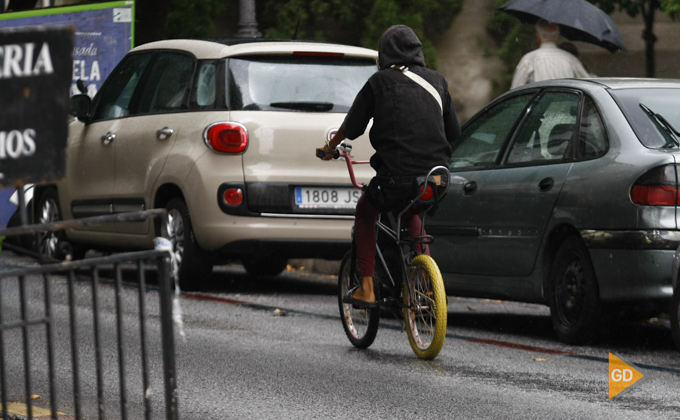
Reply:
x=500 y=23
x=671 y=8
x=318 y=20
x=192 y=18
x=632 y=7
x=351 y=22
x=427 y=18
x=357 y=22
x=635 y=7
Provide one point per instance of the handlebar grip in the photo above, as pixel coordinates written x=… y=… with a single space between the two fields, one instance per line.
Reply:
x=321 y=154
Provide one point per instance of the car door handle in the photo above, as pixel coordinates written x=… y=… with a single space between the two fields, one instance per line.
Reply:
x=164 y=133
x=107 y=138
x=470 y=188
x=546 y=184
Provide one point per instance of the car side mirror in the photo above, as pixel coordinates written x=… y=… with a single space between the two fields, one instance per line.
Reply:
x=81 y=86
x=80 y=106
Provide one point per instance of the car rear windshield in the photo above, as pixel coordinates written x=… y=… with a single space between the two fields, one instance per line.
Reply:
x=296 y=83
x=654 y=114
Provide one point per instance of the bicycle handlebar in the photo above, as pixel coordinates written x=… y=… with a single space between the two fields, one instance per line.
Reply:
x=320 y=154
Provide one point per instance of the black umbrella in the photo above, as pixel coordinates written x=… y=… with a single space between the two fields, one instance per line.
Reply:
x=578 y=20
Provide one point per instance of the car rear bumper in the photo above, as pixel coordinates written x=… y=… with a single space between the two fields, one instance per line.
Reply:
x=631 y=239
x=633 y=265
x=300 y=237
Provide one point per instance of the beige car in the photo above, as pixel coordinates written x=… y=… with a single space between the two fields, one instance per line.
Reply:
x=223 y=137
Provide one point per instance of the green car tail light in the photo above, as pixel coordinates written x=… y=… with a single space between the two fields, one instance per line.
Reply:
x=657 y=187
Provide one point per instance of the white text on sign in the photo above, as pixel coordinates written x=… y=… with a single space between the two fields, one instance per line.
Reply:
x=16 y=60
x=625 y=375
x=15 y=143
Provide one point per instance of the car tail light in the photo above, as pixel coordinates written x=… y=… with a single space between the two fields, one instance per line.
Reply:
x=318 y=54
x=233 y=196
x=658 y=187
x=226 y=137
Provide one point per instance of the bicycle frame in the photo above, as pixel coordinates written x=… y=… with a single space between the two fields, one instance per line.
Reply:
x=405 y=252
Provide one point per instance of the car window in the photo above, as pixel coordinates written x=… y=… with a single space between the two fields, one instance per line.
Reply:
x=547 y=131
x=296 y=83
x=114 y=98
x=483 y=138
x=592 y=136
x=206 y=85
x=662 y=101
x=165 y=88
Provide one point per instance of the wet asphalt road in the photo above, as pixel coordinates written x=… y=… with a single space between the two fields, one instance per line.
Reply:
x=242 y=359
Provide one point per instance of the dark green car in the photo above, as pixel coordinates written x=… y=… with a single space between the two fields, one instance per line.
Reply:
x=565 y=193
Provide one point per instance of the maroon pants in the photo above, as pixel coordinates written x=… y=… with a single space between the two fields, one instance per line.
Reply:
x=365 y=218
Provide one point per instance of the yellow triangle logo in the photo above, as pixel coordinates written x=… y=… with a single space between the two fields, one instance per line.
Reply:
x=621 y=375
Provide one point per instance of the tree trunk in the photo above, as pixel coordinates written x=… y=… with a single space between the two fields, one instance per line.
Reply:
x=649 y=37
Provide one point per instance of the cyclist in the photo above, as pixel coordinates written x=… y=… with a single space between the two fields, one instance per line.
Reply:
x=413 y=126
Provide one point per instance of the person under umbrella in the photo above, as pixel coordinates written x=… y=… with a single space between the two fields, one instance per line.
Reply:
x=547 y=61
x=578 y=20
x=571 y=49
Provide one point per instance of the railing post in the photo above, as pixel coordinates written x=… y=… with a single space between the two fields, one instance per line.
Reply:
x=167 y=337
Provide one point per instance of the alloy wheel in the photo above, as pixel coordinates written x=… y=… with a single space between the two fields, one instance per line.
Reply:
x=48 y=241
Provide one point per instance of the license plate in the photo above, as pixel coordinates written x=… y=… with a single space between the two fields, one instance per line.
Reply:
x=326 y=198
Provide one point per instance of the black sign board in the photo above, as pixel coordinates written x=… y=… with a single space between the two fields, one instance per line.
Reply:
x=35 y=81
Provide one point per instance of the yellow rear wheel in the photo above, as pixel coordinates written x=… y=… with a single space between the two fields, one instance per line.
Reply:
x=425 y=313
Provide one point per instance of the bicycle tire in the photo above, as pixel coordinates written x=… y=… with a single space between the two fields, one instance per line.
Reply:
x=360 y=325
x=425 y=311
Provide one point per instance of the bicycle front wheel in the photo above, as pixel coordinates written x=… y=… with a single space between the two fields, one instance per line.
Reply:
x=361 y=325
x=425 y=309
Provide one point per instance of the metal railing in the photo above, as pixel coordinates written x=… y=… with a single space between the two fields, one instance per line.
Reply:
x=88 y=300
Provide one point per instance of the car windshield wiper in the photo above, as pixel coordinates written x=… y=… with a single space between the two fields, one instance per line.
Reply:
x=304 y=106
x=663 y=122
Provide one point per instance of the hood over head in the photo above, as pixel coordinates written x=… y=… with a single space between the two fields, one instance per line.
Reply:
x=400 y=45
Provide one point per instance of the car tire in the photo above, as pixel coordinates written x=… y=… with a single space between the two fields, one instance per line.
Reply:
x=49 y=244
x=573 y=293
x=675 y=316
x=195 y=265
x=262 y=266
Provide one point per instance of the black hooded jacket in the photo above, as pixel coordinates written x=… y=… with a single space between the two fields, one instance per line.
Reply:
x=410 y=134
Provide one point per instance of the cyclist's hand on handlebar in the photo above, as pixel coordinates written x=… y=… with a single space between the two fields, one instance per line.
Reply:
x=325 y=152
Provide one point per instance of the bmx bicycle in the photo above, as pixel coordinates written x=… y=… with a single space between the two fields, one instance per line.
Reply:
x=406 y=282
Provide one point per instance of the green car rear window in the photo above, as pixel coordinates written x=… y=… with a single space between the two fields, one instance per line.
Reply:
x=656 y=102
x=296 y=83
